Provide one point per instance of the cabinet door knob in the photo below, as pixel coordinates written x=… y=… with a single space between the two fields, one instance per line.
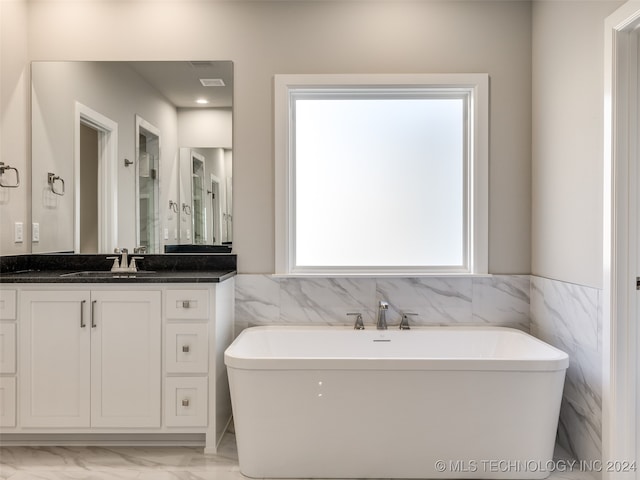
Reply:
x=185 y=402
x=185 y=348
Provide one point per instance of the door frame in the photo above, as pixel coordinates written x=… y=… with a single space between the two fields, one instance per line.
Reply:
x=620 y=242
x=107 y=177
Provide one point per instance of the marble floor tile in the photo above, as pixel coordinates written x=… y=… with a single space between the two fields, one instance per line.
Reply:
x=151 y=463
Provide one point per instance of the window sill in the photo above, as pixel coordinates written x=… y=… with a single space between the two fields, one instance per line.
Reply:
x=382 y=275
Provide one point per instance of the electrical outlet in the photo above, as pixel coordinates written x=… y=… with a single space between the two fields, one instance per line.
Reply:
x=166 y=234
x=35 y=232
x=18 y=232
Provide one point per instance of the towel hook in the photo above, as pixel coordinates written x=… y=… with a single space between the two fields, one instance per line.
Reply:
x=173 y=206
x=4 y=168
x=52 y=178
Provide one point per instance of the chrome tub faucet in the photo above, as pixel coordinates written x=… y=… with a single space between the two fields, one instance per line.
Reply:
x=381 y=324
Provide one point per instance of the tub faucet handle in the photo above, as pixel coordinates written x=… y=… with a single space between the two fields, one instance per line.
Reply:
x=359 y=325
x=404 y=323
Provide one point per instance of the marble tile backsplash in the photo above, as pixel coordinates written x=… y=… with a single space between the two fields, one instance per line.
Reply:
x=501 y=300
x=569 y=317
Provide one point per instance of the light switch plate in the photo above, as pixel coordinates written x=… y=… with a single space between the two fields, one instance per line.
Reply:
x=18 y=232
x=35 y=232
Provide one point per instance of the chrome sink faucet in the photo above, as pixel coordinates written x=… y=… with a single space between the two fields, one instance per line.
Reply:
x=123 y=266
x=124 y=261
x=381 y=324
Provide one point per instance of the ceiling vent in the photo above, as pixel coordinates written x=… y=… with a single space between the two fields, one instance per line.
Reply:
x=212 y=82
x=200 y=64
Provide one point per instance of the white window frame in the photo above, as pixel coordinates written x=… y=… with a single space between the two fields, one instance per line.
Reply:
x=478 y=166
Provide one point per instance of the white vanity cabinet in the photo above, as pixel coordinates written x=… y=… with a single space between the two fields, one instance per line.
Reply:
x=90 y=358
x=8 y=363
x=186 y=358
x=198 y=329
x=132 y=363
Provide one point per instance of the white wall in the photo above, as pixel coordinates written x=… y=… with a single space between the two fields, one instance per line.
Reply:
x=269 y=37
x=58 y=87
x=567 y=158
x=205 y=127
x=14 y=123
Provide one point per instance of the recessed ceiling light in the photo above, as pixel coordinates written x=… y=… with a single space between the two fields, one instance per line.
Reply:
x=212 y=82
x=202 y=101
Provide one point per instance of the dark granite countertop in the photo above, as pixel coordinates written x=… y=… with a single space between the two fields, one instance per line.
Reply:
x=67 y=268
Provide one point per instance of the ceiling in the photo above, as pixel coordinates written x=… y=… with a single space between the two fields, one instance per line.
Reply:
x=180 y=82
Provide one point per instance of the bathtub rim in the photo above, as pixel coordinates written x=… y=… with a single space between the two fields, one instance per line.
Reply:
x=558 y=361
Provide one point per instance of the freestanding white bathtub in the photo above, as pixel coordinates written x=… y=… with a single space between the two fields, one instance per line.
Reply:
x=433 y=402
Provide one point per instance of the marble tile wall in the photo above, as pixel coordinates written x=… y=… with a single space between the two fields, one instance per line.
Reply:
x=569 y=317
x=501 y=300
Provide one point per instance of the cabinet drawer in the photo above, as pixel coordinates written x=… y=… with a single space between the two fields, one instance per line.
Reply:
x=7 y=304
x=187 y=304
x=186 y=402
x=186 y=348
x=7 y=348
x=7 y=402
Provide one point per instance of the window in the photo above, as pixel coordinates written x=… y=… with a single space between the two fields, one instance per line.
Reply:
x=381 y=174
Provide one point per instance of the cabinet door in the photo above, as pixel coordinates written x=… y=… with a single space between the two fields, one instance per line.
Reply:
x=125 y=359
x=8 y=347
x=54 y=359
x=7 y=304
x=7 y=402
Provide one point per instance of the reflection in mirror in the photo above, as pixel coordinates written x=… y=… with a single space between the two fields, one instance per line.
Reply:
x=205 y=180
x=198 y=208
x=147 y=168
x=112 y=131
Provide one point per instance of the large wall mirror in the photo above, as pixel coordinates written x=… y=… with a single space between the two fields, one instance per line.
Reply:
x=132 y=155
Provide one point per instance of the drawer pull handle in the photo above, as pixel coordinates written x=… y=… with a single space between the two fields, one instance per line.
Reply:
x=93 y=314
x=186 y=304
x=185 y=348
x=185 y=402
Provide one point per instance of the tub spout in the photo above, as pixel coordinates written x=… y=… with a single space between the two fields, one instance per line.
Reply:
x=381 y=324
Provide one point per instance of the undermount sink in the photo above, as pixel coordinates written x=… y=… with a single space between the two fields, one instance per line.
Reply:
x=107 y=274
